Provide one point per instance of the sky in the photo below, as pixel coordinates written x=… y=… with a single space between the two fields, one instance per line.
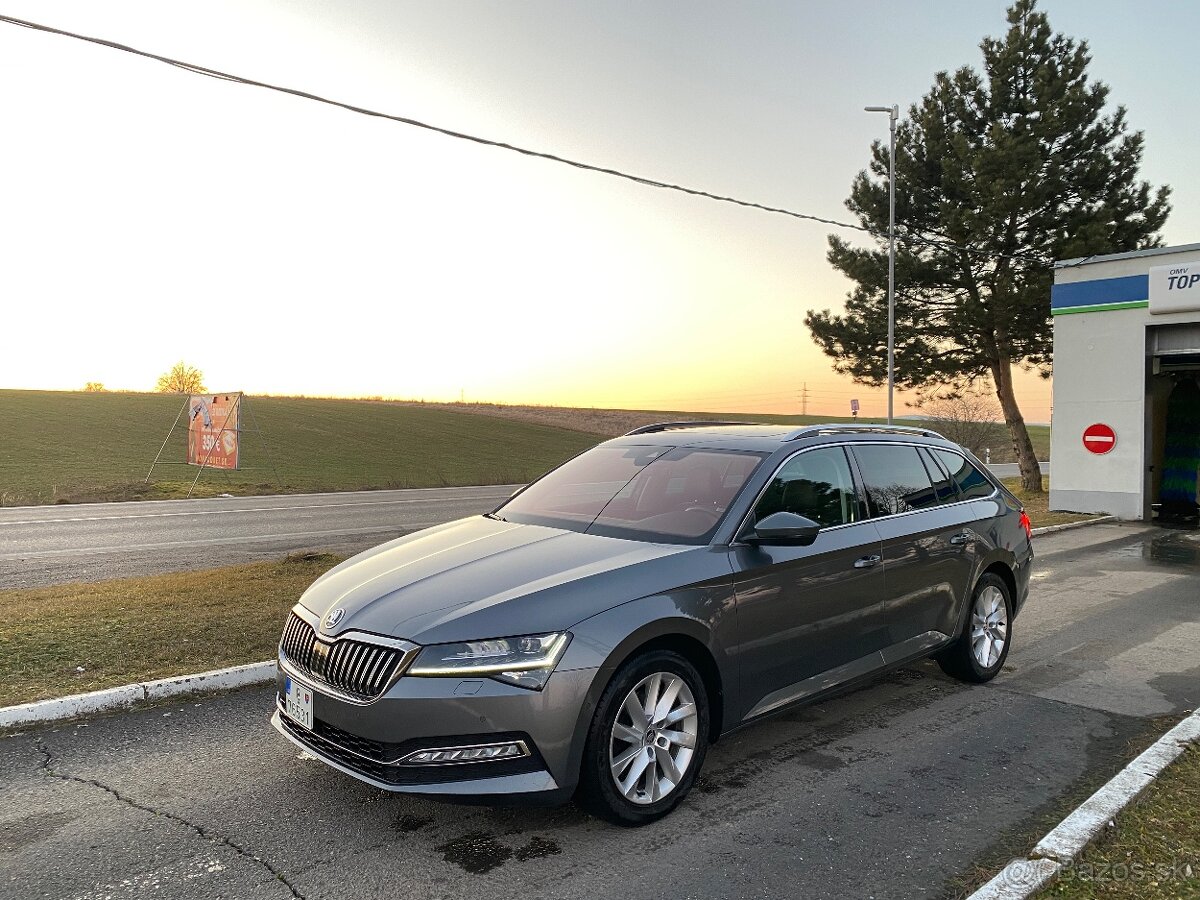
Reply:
x=151 y=214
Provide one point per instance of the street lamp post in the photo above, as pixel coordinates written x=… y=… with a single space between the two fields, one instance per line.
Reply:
x=893 y=112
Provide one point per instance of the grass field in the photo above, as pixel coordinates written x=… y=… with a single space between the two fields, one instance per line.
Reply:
x=64 y=447
x=84 y=637
x=69 y=447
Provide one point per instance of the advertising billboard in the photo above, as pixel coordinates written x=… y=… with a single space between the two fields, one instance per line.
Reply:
x=213 y=430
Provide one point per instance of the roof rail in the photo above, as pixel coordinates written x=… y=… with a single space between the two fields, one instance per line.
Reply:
x=671 y=426
x=838 y=428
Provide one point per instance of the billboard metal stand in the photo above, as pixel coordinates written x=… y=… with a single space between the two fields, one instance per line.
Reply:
x=234 y=414
x=216 y=440
x=178 y=416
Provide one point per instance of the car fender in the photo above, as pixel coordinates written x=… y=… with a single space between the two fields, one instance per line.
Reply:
x=605 y=641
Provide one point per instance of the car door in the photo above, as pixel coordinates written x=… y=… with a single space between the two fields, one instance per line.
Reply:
x=807 y=617
x=928 y=543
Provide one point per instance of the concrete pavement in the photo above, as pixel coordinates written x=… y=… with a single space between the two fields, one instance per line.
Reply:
x=894 y=790
x=1012 y=470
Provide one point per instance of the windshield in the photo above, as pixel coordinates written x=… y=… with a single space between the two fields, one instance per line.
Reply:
x=650 y=493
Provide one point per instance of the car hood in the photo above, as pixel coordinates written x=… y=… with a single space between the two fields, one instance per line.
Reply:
x=481 y=578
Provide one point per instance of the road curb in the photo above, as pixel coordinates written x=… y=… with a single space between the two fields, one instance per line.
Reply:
x=1067 y=526
x=130 y=695
x=1023 y=878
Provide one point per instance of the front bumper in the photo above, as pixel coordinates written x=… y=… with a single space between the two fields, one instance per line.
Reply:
x=365 y=740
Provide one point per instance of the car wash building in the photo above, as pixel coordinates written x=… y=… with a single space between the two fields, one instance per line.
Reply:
x=1126 y=418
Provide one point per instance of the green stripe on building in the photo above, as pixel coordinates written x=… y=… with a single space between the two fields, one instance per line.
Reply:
x=1100 y=307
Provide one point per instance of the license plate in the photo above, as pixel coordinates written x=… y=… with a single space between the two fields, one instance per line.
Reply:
x=298 y=703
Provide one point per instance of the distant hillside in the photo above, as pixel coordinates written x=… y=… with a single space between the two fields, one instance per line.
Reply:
x=67 y=446
x=76 y=447
x=619 y=421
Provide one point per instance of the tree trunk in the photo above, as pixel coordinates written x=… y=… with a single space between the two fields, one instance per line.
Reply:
x=1031 y=472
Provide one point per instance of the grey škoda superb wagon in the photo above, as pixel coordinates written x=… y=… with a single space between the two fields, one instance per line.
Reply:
x=603 y=626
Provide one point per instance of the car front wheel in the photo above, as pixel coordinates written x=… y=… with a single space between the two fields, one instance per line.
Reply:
x=979 y=653
x=647 y=739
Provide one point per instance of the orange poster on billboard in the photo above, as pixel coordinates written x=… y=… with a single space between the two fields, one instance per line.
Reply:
x=213 y=430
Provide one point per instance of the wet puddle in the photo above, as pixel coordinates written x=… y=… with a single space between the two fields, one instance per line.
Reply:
x=480 y=852
x=1178 y=547
x=1174 y=548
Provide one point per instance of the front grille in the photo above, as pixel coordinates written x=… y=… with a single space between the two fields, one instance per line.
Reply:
x=357 y=668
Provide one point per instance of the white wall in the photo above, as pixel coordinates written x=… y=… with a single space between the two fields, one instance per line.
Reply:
x=1099 y=376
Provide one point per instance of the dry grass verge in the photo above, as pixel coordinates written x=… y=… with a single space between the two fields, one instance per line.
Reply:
x=1038 y=505
x=72 y=638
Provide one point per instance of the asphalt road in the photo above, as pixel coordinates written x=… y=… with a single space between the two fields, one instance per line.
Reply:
x=893 y=791
x=42 y=545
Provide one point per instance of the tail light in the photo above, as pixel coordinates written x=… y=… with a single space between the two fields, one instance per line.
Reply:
x=1026 y=524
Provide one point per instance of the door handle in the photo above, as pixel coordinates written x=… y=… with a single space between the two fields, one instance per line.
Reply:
x=865 y=562
x=962 y=538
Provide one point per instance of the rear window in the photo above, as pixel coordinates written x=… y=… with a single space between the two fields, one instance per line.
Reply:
x=943 y=486
x=895 y=479
x=652 y=493
x=971 y=483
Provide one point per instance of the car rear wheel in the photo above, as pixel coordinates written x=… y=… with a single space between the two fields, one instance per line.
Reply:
x=979 y=653
x=647 y=739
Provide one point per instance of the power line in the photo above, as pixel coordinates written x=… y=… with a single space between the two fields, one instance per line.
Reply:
x=416 y=123
x=912 y=234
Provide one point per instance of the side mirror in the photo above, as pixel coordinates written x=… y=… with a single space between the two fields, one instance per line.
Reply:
x=783 y=528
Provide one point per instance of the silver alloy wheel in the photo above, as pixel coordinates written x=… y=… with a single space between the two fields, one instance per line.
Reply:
x=653 y=738
x=989 y=626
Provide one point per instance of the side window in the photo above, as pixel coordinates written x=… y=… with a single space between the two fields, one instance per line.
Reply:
x=817 y=485
x=895 y=478
x=943 y=486
x=972 y=484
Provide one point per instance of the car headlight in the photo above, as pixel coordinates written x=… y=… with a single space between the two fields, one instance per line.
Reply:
x=524 y=661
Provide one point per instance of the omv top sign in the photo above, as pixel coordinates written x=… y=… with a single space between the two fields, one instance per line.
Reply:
x=1175 y=288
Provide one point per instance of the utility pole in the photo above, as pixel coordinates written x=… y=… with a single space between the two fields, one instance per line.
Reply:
x=804 y=400
x=893 y=113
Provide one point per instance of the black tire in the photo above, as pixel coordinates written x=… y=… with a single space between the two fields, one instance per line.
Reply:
x=959 y=660
x=599 y=792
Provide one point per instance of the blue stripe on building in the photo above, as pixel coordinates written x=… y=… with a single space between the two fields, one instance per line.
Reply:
x=1101 y=292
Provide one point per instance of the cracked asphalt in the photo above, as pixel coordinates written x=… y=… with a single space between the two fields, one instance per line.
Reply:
x=895 y=790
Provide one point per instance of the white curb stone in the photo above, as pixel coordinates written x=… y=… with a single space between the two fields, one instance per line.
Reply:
x=1067 y=526
x=1022 y=878
x=132 y=694
x=221 y=679
x=1067 y=839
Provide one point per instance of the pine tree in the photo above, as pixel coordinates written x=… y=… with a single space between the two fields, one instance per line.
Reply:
x=997 y=174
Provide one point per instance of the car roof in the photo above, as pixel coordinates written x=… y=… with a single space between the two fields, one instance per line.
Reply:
x=770 y=437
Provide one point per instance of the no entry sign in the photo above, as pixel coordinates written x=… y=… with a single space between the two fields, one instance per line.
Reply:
x=1099 y=438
